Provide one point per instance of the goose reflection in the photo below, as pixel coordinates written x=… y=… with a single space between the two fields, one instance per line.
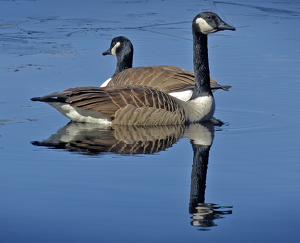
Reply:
x=203 y=214
x=89 y=139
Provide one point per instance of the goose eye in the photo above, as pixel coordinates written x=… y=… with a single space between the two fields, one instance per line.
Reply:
x=209 y=17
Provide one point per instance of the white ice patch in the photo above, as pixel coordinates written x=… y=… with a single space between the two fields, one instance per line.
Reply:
x=204 y=26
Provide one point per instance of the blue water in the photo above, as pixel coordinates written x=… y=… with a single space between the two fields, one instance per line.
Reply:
x=82 y=185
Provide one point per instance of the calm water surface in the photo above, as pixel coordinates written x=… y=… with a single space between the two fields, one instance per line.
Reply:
x=63 y=182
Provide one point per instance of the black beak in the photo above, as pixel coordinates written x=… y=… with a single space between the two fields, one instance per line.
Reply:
x=224 y=26
x=106 y=52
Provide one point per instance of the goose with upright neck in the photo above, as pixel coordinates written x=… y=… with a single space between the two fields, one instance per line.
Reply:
x=203 y=24
x=173 y=80
x=139 y=105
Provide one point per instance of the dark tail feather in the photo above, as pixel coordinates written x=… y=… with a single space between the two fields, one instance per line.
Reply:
x=215 y=86
x=47 y=99
x=226 y=87
x=36 y=99
x=54 y=97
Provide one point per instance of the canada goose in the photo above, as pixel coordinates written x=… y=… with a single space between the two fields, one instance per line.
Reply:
x=173 y=80
x=133 y=105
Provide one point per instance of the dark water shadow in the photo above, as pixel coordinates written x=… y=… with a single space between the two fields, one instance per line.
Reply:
x=90 y=140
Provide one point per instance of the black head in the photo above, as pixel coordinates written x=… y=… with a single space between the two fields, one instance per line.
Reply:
x=119 y=44
x=209 y=22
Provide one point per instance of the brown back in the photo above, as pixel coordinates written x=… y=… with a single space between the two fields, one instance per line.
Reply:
x=163 y=77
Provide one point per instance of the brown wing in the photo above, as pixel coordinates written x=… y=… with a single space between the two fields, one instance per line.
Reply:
x=166 y=78
x=163 y=77
x=128 y=105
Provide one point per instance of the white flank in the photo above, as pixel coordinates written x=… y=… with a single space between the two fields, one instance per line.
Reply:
x=105 y=83
x=204 y=26
x=183 y=95
x=80 y=114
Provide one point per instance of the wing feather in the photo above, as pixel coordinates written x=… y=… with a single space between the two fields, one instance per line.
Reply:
x=163 y=77
x=128 y=105
x=166 y=78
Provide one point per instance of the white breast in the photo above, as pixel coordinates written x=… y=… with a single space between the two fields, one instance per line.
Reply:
x=199 y=109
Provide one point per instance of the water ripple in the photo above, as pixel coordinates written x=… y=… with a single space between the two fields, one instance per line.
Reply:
x=249 y=121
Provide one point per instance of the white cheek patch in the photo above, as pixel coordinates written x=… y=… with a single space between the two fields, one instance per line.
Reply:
x=204 y=26
x=114 y=49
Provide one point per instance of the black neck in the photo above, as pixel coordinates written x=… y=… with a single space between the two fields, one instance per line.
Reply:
x=124 y=61
x=201 y=68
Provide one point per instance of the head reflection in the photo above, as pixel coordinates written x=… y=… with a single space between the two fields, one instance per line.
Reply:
x=90 y=139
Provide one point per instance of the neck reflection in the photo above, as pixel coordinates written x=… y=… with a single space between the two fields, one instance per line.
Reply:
x=203 y=214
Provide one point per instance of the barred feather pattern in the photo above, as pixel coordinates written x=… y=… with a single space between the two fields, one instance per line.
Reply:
x=166 y=78
x=128 y=105
x=130 y=140
x=163 y=77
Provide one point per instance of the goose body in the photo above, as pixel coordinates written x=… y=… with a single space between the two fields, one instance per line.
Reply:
x=142 y=105
x=128 y=106
x=171 y=79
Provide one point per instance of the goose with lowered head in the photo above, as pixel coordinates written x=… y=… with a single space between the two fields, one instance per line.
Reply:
x=173 y=80
x=140 y=105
